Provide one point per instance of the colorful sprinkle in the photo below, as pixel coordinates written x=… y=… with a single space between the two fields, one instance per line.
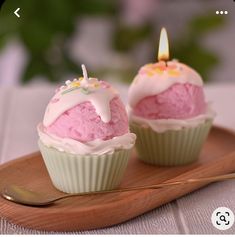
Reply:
x=159 y=71
x=160 y=68
x=69 y=90
x=83 y=84
x=173 y=73
x=67 y=82
x=75 y=83
x=55 y=100
x=150 y=73
x=172 y=66
x=84 y=90
x=96 y=85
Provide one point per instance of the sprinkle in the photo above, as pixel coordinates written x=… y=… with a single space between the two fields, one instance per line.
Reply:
x=162 y=67
x=75 y=83
x=104 y=84
x=67 y=82
x=142 y=72
x=69 y=90
x=150 y=73
x=75 y=79
x=96 y=85
x=159 y=71
x=84 y=90
x=55 y=100
x=172 y=66
x=57 y=90
x=173 y=72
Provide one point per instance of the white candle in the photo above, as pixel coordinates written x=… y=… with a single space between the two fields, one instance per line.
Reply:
x=84 y=72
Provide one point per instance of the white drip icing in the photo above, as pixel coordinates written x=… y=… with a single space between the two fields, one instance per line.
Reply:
x=68 y=97
x=145 y=85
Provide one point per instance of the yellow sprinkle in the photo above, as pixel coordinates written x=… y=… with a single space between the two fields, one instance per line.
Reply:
x=150 y=73
x=80 y=78
x=75 y=83
x=158 y=70
x=173 y=73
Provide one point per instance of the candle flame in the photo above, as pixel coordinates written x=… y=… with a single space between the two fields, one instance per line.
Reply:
x=163 y=49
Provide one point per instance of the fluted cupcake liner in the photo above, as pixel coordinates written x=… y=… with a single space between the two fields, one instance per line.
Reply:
x=170 y=148
x=72 y=173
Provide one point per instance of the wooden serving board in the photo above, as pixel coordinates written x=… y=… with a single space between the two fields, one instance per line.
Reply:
x=96 y=211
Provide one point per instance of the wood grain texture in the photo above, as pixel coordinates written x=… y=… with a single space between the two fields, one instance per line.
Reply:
x=89 y=212
x=158 y=221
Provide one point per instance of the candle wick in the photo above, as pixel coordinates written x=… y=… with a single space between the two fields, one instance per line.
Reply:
x=84 y=72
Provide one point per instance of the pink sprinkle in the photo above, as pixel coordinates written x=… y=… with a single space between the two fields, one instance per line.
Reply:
x=57 y=89
x=55 y=100
x=172 y=66
x=104 y=84
x=142 y=72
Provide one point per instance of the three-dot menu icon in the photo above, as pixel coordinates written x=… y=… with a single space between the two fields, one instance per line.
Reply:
x=221 y=12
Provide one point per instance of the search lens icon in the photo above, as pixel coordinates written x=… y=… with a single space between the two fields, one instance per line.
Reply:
x=222 y=218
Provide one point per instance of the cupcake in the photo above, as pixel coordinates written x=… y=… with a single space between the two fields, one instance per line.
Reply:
x=168 y=113
x=84 y=137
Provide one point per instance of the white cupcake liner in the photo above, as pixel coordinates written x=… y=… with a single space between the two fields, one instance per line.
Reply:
x=72 y=173
x=170 y=148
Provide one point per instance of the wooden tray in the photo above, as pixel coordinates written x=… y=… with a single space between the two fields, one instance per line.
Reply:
x=95 y=211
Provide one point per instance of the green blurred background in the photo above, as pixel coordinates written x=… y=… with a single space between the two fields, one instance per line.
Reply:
x=53 y=38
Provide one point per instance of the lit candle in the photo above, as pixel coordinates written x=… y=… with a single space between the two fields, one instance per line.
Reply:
x=164 y=65
x=163 y=49
x=154 y=78
x=163 y=56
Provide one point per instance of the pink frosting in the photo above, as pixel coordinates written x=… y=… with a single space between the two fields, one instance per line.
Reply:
x=180 y=101
x=83 y=124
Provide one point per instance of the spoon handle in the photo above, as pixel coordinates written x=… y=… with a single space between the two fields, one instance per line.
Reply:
x=155 y=186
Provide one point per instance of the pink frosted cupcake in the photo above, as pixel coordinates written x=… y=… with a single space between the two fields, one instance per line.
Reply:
x=168 y=113
x=84 y=137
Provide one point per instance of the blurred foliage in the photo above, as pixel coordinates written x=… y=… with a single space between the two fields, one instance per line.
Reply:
x=125 y=37
x=188 y=48
x=46 y=26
